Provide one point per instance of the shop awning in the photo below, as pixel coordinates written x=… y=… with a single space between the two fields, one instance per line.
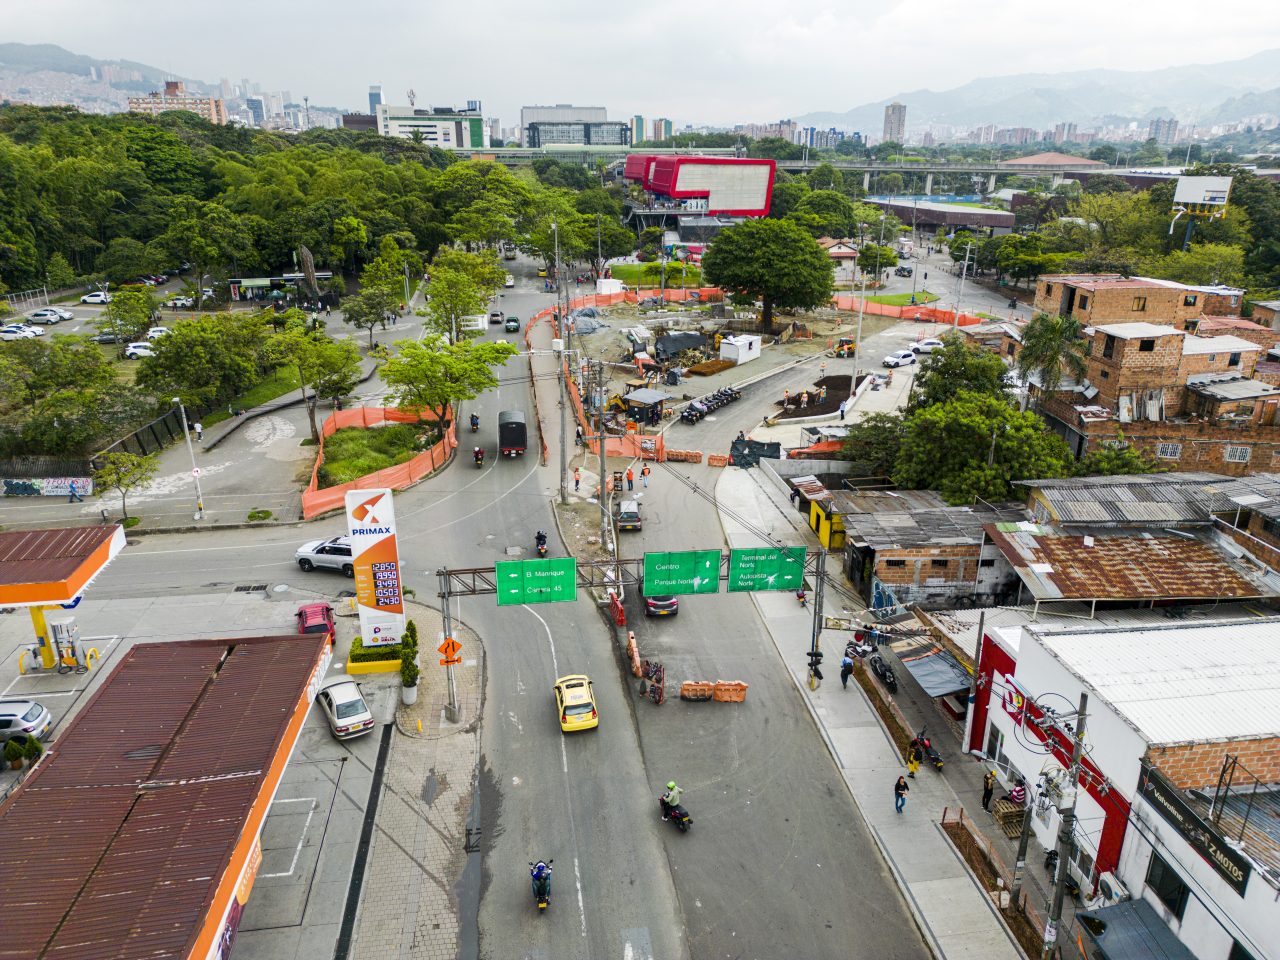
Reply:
x=1131 y=931
x=937 y=672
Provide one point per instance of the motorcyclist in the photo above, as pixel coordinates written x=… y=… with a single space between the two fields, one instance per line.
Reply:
x=475 y=422
x=540 y=538
x=541 y=876
x=671 y=799
x=478 y=454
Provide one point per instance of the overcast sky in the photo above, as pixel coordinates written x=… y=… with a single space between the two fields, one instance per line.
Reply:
x=695 y=61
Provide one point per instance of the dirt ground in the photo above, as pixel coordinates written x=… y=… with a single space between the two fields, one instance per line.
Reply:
x=838 y=389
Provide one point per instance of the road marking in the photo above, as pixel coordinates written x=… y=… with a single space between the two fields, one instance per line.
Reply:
x=303 y=836
x=564 y=765
x=636 y=943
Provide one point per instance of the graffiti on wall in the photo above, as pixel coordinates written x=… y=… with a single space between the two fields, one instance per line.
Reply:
x=47 y=486
x=883 y=602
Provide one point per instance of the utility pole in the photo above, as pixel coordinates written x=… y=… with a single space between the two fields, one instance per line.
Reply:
x=195 y=471
x=960 y=290
x=451 y=710
x=1067 y=814
x=564 y=403
x=600 y=441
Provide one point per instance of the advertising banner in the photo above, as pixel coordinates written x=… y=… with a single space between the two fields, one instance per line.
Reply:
x=371 y=524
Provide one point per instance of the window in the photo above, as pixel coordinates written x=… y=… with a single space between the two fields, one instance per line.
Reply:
x=1237 y=454
x=1139 y=304
x=1108 y=346
x=938 y=563
x=987 y=562
x=1048 y=289
x=1189 y=300
x=1146 y=346
x=1233 y=360
x=1009 y=349
x=1271 y=526
x=1167 y=885
x=895 y=563
x=1105 y=375
x=1169 y=451
x=1084 y=303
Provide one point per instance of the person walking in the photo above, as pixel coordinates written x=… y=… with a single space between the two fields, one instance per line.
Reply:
x=844 y=405
x=631 y=479
x=914 y=756
x=644 y=475
x=988 y=788
x=199 y=428
x=846 y=669
x=577 y=479
x=804 y=399
x=786 y=398
x=822 y=394
x=73 y=493
x=900 y=791
x=822 y=369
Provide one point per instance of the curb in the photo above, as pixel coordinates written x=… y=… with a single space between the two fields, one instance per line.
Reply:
x=474 y=724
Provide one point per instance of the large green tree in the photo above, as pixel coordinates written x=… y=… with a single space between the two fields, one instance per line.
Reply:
x=326 y=367
x=452 y=295
x=773 y=261
x=205 y=234
x=429 y=375
x=207 y=360
x=873 y=443
x=960 y=365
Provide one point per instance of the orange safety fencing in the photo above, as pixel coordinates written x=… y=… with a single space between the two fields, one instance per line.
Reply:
x=643 y=446
x=919 y=312
x=316 y=501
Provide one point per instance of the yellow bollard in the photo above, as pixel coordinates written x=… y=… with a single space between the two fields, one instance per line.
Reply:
x=90 y=657
x=419 y=726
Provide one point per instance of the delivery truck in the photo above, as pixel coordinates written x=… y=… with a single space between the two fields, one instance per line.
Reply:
x=512 y=434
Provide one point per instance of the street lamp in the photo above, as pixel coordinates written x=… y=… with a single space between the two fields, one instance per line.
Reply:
x=195 y=471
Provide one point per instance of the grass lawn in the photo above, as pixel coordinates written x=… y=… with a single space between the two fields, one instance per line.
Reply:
x=355 y=451
x=650 y=274
x=904 y=299
x=972 y=203
x=277 y=384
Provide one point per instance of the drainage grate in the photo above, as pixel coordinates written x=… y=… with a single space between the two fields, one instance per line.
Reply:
x=252 y=589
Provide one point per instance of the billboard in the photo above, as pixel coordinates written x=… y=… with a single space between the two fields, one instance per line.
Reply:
x=371 y=523
x=1202 y=192
x=732 y=186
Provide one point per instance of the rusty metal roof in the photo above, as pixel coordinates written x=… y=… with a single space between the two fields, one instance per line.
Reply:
x=115 y=845
x=39 y=556
x=1141 y=567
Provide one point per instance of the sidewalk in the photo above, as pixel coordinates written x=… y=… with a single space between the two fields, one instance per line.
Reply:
x=409 y=910
x=954 y=913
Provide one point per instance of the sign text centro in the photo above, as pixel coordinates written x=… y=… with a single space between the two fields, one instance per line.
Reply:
x=371 y=523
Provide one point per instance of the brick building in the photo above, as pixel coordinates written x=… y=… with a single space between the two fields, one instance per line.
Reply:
x=1110 y=298
x=175 y=97
x=1267 y=313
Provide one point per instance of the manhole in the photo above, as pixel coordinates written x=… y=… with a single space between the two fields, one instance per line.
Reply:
x=252 y=589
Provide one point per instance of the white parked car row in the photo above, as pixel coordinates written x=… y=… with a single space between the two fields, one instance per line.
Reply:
x=903 y=358
x=20 y=331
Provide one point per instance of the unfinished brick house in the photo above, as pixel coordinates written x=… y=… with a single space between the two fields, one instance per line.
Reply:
x=1110 y=298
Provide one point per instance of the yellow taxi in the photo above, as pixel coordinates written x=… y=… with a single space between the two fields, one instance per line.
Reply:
x=542 y=271
x=576 y=703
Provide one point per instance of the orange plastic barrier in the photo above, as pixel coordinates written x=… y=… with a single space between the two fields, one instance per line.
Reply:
x=633 y=652
x=696 y=690
x=717 y=460
x=920 y=312
x=729 y=691
x=316 y=501
x=685 y=456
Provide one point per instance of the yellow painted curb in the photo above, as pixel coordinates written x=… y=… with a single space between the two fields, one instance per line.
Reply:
x=374 y=666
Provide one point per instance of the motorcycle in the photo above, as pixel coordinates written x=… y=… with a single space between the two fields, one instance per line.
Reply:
x=1013 y=303
x=859 y=647
x=884 y=672
x=475 y=423
x=677 y=815
x=541 y=876
x=802 y=597
x=541 y=542
x=479 y=458
x=931 y=754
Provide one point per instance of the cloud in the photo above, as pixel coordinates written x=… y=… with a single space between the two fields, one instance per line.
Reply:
x=719 y=61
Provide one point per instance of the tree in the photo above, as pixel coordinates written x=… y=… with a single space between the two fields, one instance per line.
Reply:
x=58 y=273
x=786 y=197
x=890 y=183
x=203 y=233
x=773 y=261
x=976 y=446
x=1201 y=263
x=370 y=308
x=125 y=473
x=874 y=443
x=429 y=375
x=350 y=236
x=833 y=212
x=330 y=368
x=874 y=258
x=128 y=314
x=1053 y=347
x=825 y=177
x=1107 y=183
x=452 y=295
x=489 y=220
x=959 y=366
x=1112 y=458
x=124 y=260
x=206 y=360
x=612 y=240
x=482 y=268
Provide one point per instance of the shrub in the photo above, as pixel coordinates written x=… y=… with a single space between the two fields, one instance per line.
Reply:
x=32 y=750
x=409 y=671
x=362 y=654
x=12 y=752
x=255 y=515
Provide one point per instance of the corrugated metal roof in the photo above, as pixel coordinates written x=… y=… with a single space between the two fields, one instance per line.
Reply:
x=116 y=843
x=1265 y=485
x=39 y=556
x=1142 y=567
x=1141 y=500
x=1181 y=683
x=945 y=526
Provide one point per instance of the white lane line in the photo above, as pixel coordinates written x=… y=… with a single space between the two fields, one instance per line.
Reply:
x=564 y=765
x=303 y=836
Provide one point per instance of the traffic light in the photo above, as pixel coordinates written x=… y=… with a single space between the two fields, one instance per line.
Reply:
x=815 y=662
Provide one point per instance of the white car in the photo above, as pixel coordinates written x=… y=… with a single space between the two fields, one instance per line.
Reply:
x=136 y=351
x=344 y=707
x=34 y=331
x=509 y=282
x=332 y=554
x=899 y=359
x=155 y=333
x=50 y=315
x=18 y=331
x=181 y=303
x=96 y=297
x=927 y=345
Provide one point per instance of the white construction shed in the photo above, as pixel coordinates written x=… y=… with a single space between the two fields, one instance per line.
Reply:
x=740 y=348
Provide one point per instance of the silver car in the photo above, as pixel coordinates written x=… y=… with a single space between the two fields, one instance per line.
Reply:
x=50 y=315
x=334 y=554
x=344 y=707
x=24 y=718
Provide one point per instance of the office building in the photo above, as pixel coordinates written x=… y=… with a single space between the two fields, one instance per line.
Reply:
x=1163 y=130
x=257 y=108
x=175 y=97
x=443 y=127
x=661 y=129
x=375 y=98
x=895 y=122
x=637 y=128
x=1064 y=133
x=614 y=133
x=560 y=113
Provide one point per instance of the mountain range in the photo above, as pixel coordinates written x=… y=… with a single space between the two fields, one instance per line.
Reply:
x=1193 y=93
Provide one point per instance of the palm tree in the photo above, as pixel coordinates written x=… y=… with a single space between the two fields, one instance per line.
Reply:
x=1052 y=348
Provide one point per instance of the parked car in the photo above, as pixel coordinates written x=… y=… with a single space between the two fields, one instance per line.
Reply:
x=97 y=296
x=344 y=707
x=315 y=618
x=927 y=345
x=155 y=333
x=661 y=606
x=181 y=303
x=24 y=718
x=107 y=337
x=509 y=282
x=333 y=554
x=50 y=315
x=16 y=331
x=576 y=703
x=136 y=351
x=512 y=325
x=627 y=515
x=27 y=328
x=900 y=358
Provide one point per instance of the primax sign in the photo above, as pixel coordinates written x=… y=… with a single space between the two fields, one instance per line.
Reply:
x=1206 y=841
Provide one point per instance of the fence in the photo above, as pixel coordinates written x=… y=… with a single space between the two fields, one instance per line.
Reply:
x=41 y=466
x=911 y=312
x=316 y=501
x=153 y=437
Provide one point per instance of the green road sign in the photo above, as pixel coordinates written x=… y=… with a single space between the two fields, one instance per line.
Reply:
x=766 y=568
x=686 y=571
x=536 y=581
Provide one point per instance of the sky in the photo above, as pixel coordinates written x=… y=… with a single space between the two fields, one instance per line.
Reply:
x=694 y=61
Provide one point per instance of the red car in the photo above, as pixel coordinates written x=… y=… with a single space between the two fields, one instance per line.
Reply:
x=315 y=618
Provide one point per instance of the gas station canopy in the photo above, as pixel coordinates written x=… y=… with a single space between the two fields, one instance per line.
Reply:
x=44 y=567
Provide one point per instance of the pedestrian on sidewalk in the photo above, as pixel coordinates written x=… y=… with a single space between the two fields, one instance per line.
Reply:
x=199 y=430
x=631 y=479
x=844 y=405
x=988 y=788
x=846 y=669
x=914 y=756
x=73 y=493
x=786 y=398
x=644 y=475
x=577 y=479
x=328 y=310
x=900 y=791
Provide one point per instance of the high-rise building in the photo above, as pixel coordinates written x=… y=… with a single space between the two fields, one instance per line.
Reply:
x=613 y=133
x=375 y=97
x=1064 y=133
x=559 y=113
x=1163 y=130
x=175 y=97
x=257 y=108
x=895 y=122
x=443 y=127
x=661 y=129
x=637 y=128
